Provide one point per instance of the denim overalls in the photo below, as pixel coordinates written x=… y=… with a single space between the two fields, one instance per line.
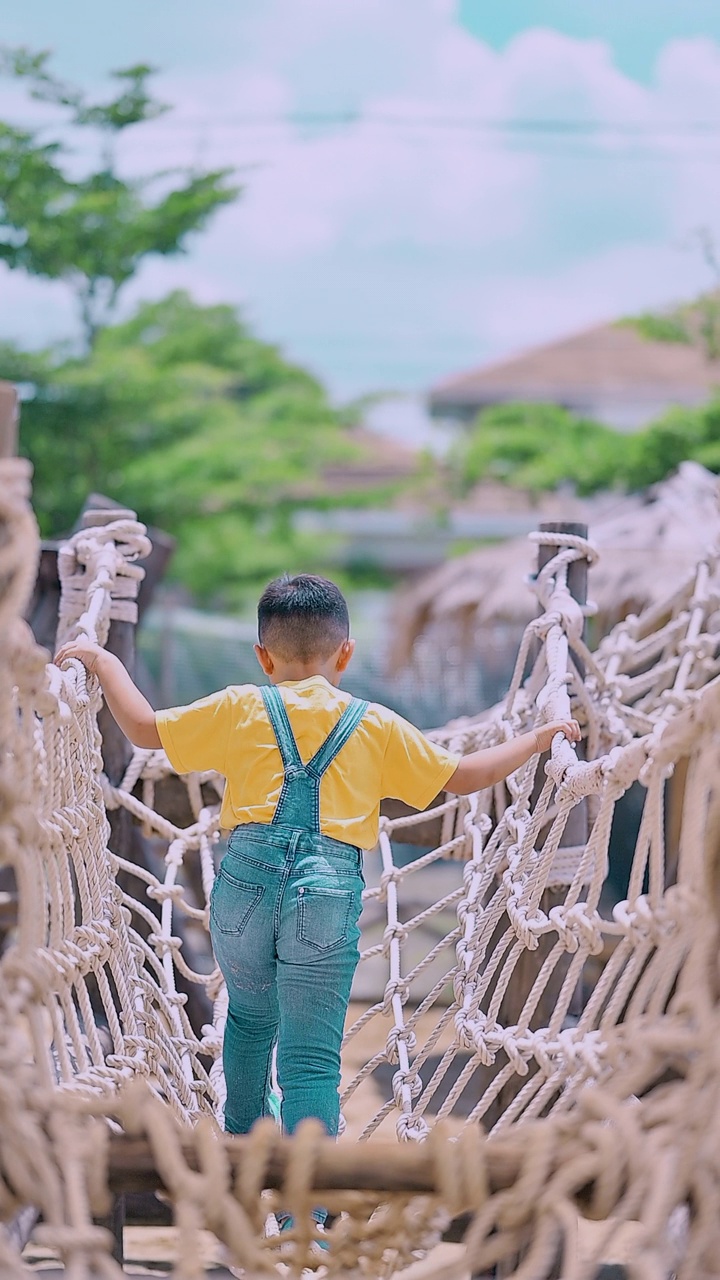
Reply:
x=284 y=925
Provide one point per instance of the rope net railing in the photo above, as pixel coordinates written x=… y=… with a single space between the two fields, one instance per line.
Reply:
x=539 y=999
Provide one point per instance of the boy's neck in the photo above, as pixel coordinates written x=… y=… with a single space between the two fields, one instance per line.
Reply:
x=303 y=671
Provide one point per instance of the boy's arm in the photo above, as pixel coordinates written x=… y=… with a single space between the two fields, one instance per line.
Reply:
x=483 y=769
x=129 y=707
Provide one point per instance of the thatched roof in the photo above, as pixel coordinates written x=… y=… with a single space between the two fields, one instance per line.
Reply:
x=611 y=363
x=649 y=544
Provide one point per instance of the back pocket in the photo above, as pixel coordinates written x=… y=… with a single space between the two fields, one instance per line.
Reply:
x=232 y=902
x=324 y=916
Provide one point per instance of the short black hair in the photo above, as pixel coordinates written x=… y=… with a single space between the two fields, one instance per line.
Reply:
x=302 y=617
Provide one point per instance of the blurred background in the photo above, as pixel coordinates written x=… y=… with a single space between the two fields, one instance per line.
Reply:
x=365 y=288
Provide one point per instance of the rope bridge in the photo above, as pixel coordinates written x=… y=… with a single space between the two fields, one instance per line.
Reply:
x=580 y=1031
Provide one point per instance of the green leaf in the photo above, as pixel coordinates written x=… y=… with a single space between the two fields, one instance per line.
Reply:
x=185 y=416
x=94 y=231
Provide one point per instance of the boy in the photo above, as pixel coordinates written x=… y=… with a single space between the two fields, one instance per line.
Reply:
x=306 y=767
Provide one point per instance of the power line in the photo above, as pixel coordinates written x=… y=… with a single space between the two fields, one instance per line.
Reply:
x=523 y=125
x=532 y=125
x=566 y=139
x=617 y=141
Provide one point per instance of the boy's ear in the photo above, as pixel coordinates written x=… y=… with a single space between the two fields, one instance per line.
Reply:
x=347 y=650
x=264 y=659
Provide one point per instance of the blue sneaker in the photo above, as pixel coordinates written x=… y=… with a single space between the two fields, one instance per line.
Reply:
x=286 y=1222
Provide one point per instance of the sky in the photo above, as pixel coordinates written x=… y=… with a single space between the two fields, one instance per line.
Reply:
x=429 y=185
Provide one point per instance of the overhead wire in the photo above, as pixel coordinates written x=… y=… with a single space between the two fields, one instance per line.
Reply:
x=513 y=124
x=619 y=140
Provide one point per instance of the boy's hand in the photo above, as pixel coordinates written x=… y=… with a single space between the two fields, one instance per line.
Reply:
x=127 y=704
x=545 y=734
x=84 y=650
x=481 y=769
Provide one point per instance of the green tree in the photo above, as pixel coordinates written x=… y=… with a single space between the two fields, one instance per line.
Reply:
x=92 y=232
x=679 y=434
x=541 y=446
x=181 y=413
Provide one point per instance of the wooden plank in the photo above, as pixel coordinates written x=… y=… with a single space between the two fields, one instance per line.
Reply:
x=115 y=1224
x=379 y=1167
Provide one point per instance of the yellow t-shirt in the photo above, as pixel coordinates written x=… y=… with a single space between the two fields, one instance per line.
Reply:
x=230 y=732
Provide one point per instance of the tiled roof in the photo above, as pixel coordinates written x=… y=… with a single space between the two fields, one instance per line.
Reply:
x=610 y=361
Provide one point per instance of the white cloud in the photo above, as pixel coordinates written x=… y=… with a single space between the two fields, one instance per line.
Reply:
x=339 y=54
x=527 y=309
x=389 y=252
x=688 y=80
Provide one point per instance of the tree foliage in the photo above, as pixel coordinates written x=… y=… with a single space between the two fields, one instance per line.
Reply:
x=185 y=416
x=542 y=446
x=179 y=411
x=94 y=231
x=660 y=326
x=695 y=323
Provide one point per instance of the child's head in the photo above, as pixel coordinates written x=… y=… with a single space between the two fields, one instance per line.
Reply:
x=303 y=621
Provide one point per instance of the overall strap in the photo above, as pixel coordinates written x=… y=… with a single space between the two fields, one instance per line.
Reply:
x=336 y=739
x=278 y=717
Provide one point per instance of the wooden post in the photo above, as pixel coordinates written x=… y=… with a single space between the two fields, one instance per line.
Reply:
x=577 y=578
x=161 y=549
x=42 y=613
x=117 y=753
x=126 y=840
x=575 y=833
x=576 y=829
x=8 y=420
x=115 y=1223
x=8 y=446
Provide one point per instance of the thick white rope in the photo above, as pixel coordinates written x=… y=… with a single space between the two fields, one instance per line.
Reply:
x=650 y=698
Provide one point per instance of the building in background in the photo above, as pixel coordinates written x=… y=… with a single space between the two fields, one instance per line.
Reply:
x=610 y=373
